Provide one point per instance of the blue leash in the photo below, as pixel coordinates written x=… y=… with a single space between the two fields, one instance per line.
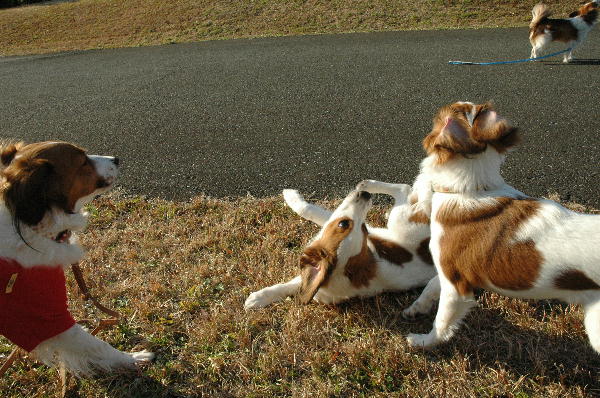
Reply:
x=508 y=62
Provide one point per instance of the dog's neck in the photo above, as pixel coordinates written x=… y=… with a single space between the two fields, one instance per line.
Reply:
x=460 y=175
x=46 y=243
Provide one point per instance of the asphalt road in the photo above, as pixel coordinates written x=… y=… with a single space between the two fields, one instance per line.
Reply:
x=317 y=113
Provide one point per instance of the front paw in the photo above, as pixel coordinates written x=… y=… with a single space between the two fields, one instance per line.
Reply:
x=142 y=357
x=420 y=340
x=365 y=185
x=256 y=300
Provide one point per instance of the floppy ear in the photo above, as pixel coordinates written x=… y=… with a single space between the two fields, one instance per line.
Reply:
x=27 y=192
x=316 y=267
x=496 y=131
x=447 y=139
x=8 y=152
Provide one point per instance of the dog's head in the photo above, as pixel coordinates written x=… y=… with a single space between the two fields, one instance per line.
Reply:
x=341 y=241
x=52 y=175
x=466 y=129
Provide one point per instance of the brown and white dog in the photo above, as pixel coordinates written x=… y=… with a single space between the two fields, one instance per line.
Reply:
x=573 y=31
x=44 y=188
x=348 y=258
x=486 y=234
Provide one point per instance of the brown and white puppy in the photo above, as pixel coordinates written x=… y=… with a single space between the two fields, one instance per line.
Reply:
x=348 y=258
x=44 y=188
x=573 y=30
x=486 y=234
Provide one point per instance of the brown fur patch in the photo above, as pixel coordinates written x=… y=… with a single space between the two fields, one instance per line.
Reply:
x=360 y=269
x=424 y=253
x=574 y=280
x=477 y=246
x=419 y=217
x=391 y=251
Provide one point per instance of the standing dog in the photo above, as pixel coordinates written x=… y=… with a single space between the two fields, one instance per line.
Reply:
x=543 y=30
x=44 y=188
x=486 y=234
x=347 y=258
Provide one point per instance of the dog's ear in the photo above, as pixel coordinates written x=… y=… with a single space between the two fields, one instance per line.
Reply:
x=449 y=136
x=27 y=193
x=491 y=129
x=9 y=151
x=316 y=266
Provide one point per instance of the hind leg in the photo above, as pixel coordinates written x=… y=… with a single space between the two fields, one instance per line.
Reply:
x=592 y=323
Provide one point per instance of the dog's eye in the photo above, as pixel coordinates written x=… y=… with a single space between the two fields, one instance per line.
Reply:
x=344 y=224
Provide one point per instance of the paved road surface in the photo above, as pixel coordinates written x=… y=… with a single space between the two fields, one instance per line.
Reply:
x=318 y=113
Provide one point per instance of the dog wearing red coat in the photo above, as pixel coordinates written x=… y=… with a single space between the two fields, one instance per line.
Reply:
x=43 y=191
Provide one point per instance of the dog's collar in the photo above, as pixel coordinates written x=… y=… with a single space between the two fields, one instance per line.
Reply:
x=63 y=236
x=443 y=189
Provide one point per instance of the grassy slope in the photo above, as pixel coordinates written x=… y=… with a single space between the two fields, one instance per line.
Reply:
x=180 y=272
x=86 y=24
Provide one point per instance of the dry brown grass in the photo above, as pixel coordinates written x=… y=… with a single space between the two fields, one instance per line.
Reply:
x=180 y=272
x=87 y=24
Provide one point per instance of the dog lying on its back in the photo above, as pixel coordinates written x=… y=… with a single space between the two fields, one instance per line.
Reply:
x=44 y=188
x=348 y=258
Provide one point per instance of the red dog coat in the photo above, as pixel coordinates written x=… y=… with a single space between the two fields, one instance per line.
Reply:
x=33 y=303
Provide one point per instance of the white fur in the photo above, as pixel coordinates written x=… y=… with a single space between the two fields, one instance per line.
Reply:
x=80 y=352
x=389 y=277
x=566 y=240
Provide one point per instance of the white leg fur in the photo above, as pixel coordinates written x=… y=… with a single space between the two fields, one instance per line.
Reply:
x=271 y=294
x=426 y=300
x=306 y=210
x=592 y=323
x=83 y=354
x=399 y=192
x=452 y=309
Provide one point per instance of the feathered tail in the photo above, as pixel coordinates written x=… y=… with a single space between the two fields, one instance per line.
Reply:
x=539 y=12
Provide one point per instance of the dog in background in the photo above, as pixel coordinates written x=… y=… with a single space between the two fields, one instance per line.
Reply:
x=44 y=188
x=348 y=258
x=573 y=31
x=486 y=234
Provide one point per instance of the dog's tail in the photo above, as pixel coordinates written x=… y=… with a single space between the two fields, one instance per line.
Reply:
x=539 y=12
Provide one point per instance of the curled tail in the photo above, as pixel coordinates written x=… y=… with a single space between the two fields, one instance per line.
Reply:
x=539 y=12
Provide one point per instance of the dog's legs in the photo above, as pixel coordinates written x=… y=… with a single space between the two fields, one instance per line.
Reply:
x=452 y=309
x=423 y=305
x=592 y=323
x=271 y=294
x=399 y=192
x=83 y=354
x=306 y=210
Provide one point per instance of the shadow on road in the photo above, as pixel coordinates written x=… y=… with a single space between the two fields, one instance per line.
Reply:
x=590 y=61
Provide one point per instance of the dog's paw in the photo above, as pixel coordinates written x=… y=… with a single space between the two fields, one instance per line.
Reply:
x=420 y=340
x=365 y=185
x=142 y=357
x=416 y=309
x=256 y=301
x=292 y=196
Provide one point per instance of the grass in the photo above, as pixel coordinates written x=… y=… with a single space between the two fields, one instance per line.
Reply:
x=89 y=24
x=180 y=271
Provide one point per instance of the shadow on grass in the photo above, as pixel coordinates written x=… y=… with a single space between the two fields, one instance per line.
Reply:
x=125 y=386
x=488 y=340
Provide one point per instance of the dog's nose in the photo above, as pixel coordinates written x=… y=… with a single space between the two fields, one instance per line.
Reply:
x=115 y=161
x=364 y=195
